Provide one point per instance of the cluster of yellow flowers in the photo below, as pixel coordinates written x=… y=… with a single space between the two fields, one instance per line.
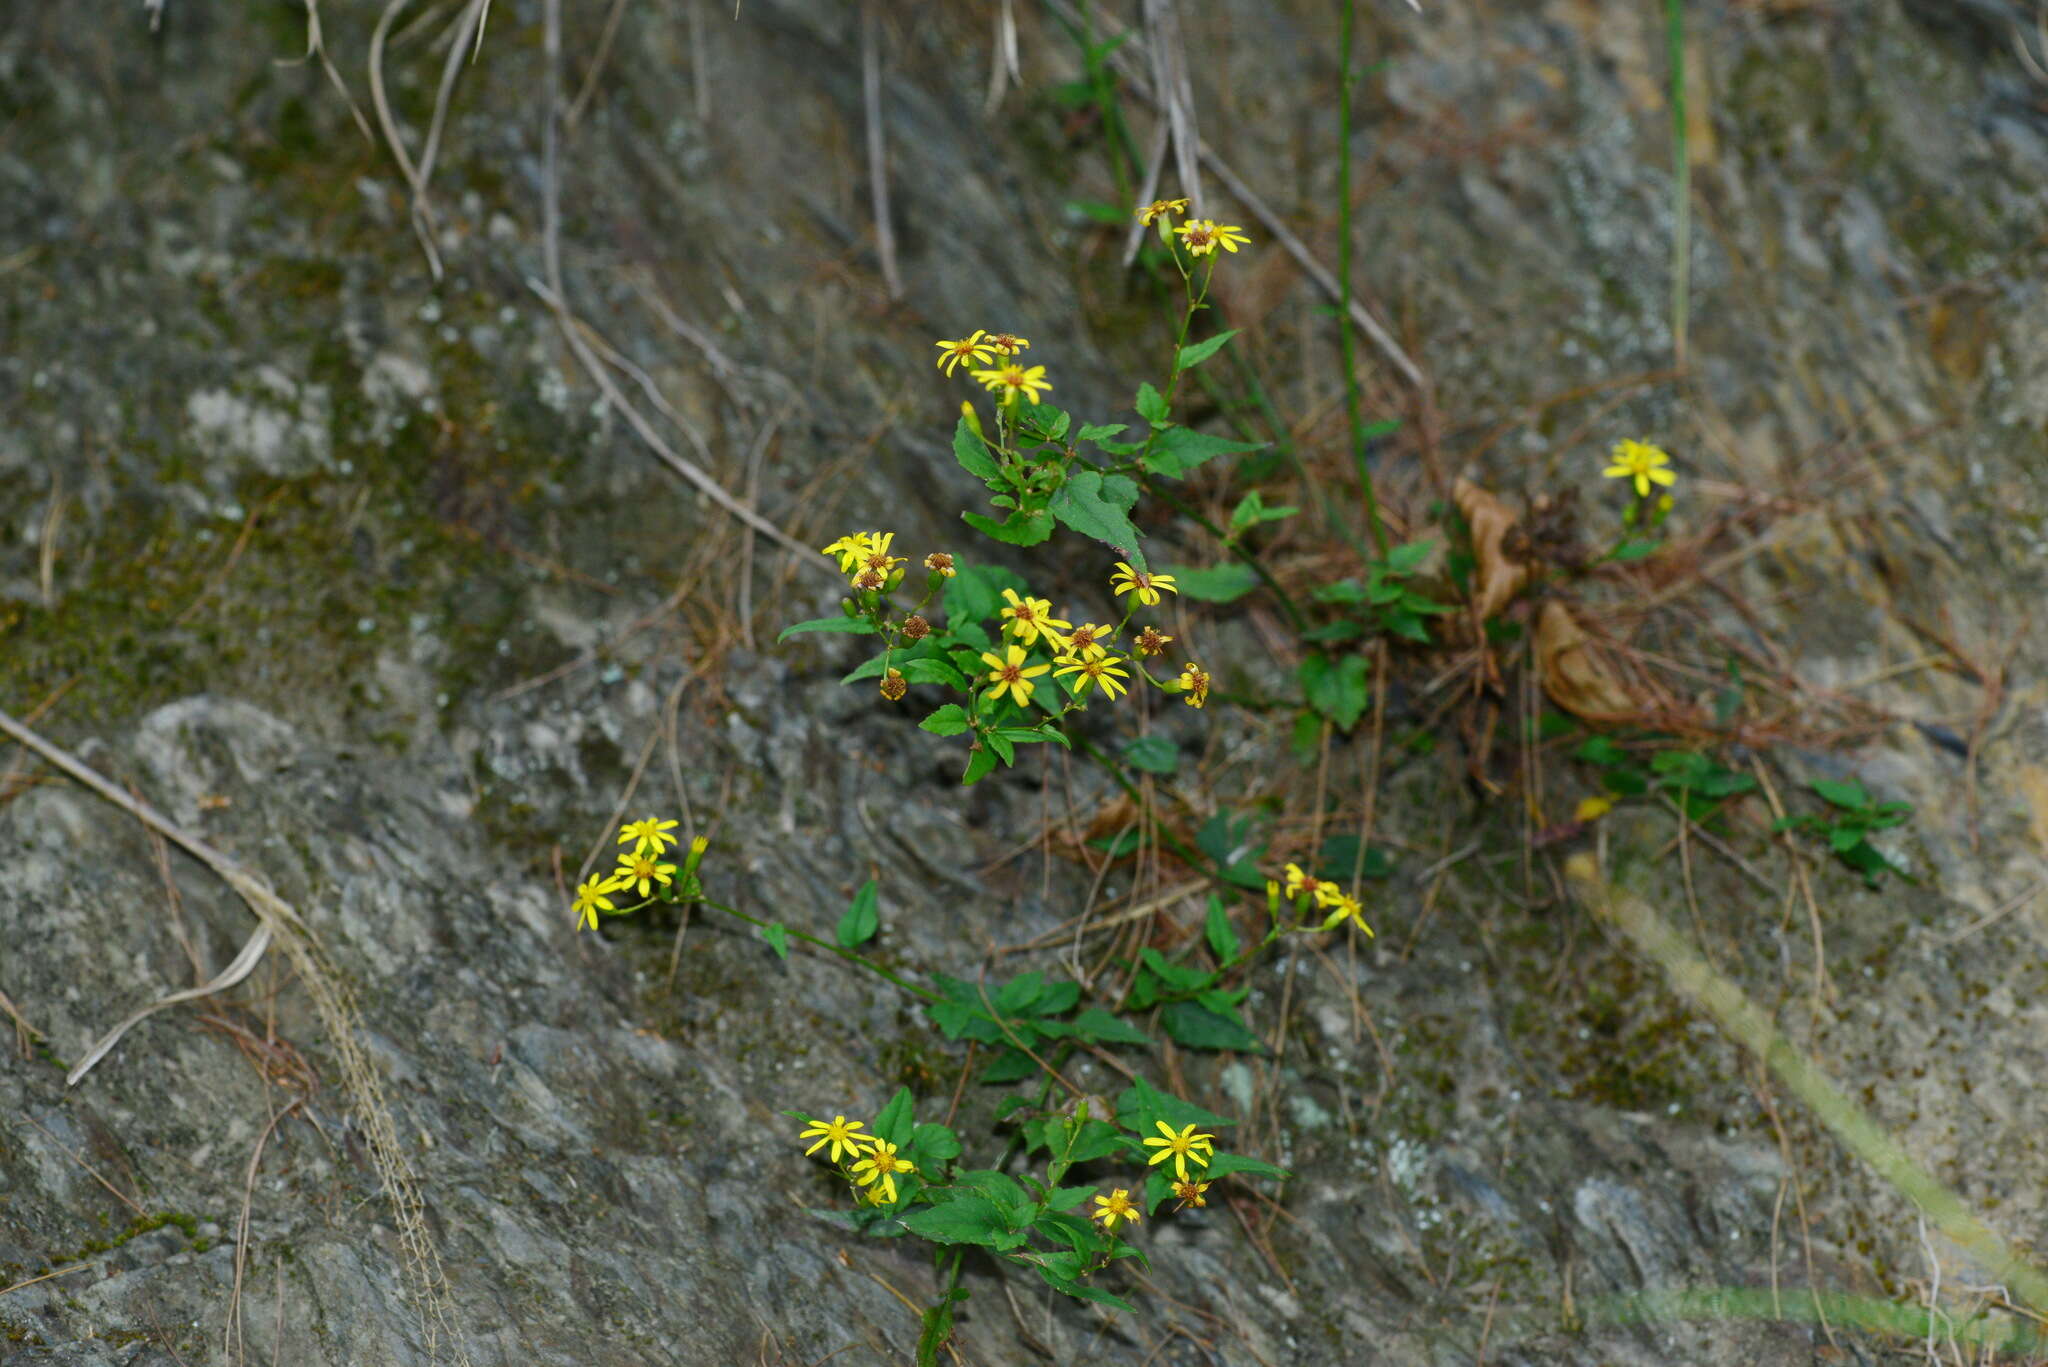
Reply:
x=876 y=1162
x=865 y=560
x=1083 y=651
x=1201 y=236
x=1010 y=380
x=640 y=869
x=1323 y=894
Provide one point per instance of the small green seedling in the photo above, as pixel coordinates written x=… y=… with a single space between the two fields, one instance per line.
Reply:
x=1848 y=826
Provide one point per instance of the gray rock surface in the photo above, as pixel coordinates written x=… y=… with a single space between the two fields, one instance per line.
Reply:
x=353 y=572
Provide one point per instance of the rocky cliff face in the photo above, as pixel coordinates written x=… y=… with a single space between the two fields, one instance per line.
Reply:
x=341 y=559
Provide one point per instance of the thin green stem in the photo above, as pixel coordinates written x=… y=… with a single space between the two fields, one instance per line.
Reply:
x=859 y=960
x=1359 y=455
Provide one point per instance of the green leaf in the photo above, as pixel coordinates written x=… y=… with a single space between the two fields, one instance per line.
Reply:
x=1850 y=796
x=1180 y=449
x=1407 y=559
x=1095 y=209
x=861 y=919
x=1337 y=690
x=1018 y=529
x=1151 y=407
x=1223 y=941
x=892 y=1122
x=1194 y=353
x=1011 y=1065
x=999 y=745
x=1179 y=977
x=1100 y=1027
x=777 y=936
x=972 y=453
x=1633 y=550
x=1141 y=1105
x=964 y=1220
x=1099 y=431
x=980 y=764
x=998 y=1188
x=975 y=592
x=1197 y=1027
x=1153 y=754
x=1094 y=506
x=1223 y=583
x=1081 y=1291
x=1043 y=422
x=1251 y=510
x=845 y=626
x=1225 y=1164
x=935 y=1142
x=932 y=670
x=949 y=720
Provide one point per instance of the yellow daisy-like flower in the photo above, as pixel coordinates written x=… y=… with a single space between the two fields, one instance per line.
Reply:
x=1157 y=207
x=849 y=548
x=644 y=871
x=1007 y=343
x=1114 y=1207
x=1013 y=381
x=1204 y=235
x=1190 y=1194
x=591 y=898
x=1085 y=641
x=1593 y=808
x=1010 y=675
x=651 y=836
x=879 y=1169
x=973 y=350
x=1641 y=462
x=1146 y=586
x=1181 y=1146
x=1194 y=685
x=1103 y=673
x=1347 y=909
x=1031 y=620
x=876 y=558
x=839 y=1133
x=1152 y=641
x=1299 y=883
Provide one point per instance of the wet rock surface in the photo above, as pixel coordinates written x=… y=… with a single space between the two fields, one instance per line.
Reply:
x=352 y=572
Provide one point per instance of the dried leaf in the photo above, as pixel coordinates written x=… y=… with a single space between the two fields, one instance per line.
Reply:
x=1499 y=577
x=1575 y=675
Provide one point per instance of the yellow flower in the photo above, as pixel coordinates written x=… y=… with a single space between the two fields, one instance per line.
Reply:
x=1031 y=619
x=1204 y=235
x=1085 y=641
x=849 y=548
x=1190 y=1194
x=880 y=1167
x=1114 y=1207
x=1641 y=462
x=1180 y=1147
x=1152 y=641
x=1160 y=206
x=1194 y=685
x=1010 y=674
x=839 y=1133
x=645 y=870
x=591 y=899
x=972 y=350
x=875 y=559
x=1593 y=808
x=650 y=836
x=1146 y=586
x=941 y=564
x=1299 y=883
x=1347 y=909
x=1103 y=673
x=1013 y=380
x=1007 y=343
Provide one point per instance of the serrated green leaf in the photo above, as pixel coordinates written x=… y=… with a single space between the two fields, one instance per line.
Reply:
x=1100 y=1027
x=980 y=764
x=1216 y=927
x=931 y=670
x=1099 y=431
x=1225 y=1164
x=1018 y=529
x=1180 y=449
x=1850 y=796
x=861 y=919
x=1197 y=1027
x=1084 y=504
x=975 y=592
x=1337 y=689
x=1140 y=1106
x=949 y=720
x=964 y=1220
x=1194 y=353
x=1225 y=583
x=935 y=1142
x=845 y=626
x=1151 y=407
x=892 y=1122
x=1153 y=754
x=1407 y=559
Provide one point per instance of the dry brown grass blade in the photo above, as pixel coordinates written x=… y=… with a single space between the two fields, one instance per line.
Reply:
x=339 y=1018
x=1500 y=576
x=244 y=963
x=1576 y=675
